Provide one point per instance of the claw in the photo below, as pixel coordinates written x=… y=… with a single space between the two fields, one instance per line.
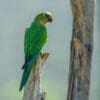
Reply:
x=41 y=52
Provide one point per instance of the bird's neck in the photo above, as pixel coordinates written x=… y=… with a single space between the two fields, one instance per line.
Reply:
x=40 y=22
x=37 y=24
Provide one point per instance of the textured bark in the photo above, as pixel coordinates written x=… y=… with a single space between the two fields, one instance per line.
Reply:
x=32 y=87
x=81 y=49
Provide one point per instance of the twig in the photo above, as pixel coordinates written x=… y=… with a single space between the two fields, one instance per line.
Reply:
x=32 y=87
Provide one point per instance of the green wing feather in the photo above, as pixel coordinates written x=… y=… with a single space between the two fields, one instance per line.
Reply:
x=35 y=38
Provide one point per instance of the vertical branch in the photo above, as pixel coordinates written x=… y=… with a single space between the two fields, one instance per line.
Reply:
x=32 y=87
x=81 y=49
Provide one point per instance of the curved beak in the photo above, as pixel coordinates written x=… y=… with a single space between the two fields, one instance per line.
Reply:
x=49 y=16
x=50 y=19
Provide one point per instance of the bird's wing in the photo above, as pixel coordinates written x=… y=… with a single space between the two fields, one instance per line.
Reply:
x=33 y=45
x=34 y=41
x=26 y=40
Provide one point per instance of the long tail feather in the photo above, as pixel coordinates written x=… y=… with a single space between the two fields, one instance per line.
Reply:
x=29 y=59
x=25 y=75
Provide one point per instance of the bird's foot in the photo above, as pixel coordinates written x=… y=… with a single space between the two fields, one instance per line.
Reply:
x=41 y=52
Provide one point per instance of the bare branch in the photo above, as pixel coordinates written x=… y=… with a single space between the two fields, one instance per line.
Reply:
x=81 y=49
x=32 y=88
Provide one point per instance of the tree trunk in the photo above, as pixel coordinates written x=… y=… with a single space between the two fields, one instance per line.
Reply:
x=32 y=87
x=81 y=49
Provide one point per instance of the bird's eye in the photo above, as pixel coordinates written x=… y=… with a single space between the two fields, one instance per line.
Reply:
x=46 y=15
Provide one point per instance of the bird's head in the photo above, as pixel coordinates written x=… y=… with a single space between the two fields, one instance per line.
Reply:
x=44 y=17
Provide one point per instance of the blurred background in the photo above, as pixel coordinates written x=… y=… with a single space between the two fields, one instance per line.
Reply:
x=15 y=16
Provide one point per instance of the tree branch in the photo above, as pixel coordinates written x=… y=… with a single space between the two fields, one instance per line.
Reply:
x=81 y=49
x=32 y=87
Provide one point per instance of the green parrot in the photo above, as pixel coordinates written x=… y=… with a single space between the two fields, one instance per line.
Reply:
x=35 y=38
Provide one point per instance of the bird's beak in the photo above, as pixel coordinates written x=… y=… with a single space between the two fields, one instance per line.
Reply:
x=50 y=19
x=50 y=16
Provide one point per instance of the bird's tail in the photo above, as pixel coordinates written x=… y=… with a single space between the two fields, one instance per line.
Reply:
x=25 y=75
x=30 y=59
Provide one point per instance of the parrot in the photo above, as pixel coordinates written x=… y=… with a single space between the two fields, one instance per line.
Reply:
x=34 y=39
